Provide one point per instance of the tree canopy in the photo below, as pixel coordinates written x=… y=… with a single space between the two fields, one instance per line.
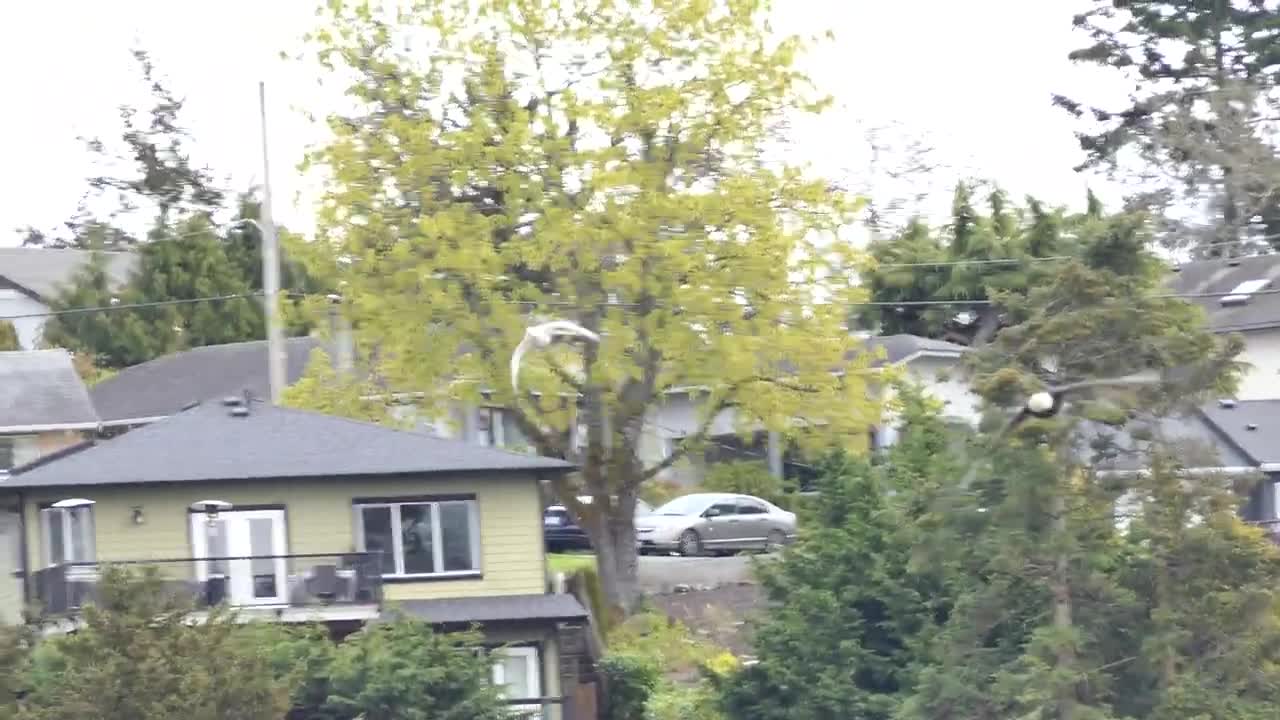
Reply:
x=1202 y=119
x=601 y=164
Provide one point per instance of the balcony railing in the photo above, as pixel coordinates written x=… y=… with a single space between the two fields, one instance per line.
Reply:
x=545 y=708
x=265 y=581
x=1271 y=528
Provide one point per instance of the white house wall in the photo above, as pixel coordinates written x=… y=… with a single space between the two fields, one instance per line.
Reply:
x=942 y=380
x=1261 y=381
x=14 y=304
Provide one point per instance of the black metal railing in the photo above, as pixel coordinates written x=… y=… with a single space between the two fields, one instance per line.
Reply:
x=302 y=580
x=542 y=708
x=1270 y=527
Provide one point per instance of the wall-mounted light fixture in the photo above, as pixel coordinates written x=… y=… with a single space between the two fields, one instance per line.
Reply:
x=138 y=517
x=71 y=503
x=211 y=508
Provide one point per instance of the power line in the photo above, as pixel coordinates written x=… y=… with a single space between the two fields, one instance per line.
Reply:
x=990 y=261
x=571 y=304
x=130 y=306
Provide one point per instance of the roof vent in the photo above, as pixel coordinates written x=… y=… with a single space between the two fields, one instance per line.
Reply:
x=232 y=400
x=1240 y=295
x=239 y=411
x=1176 y=268
x=1226 y=403
x=1251 y=426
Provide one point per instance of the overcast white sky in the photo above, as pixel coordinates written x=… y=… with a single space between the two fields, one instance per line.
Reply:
x=973 y=79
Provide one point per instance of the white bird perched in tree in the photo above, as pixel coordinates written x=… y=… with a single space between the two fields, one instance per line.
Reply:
x=541 y=336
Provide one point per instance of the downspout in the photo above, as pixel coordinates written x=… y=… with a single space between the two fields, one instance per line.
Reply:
x=22 y=550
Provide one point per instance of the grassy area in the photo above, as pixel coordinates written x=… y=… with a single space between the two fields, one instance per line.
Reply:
x=568 y=562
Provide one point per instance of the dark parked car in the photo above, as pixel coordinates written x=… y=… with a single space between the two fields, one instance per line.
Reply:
x=560 y=530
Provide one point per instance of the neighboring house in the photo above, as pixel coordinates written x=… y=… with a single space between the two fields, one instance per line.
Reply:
x=294 y=516
x=43 y=408
x=158 y=388
x=30 y=277
x=1228 y=438
x=1251 y=307
x=934 y=365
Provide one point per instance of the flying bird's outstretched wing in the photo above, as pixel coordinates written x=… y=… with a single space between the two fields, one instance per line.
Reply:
x=565 y=328
x=525 y=343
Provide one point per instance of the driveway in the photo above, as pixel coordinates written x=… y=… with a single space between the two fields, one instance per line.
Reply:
x=662 y=574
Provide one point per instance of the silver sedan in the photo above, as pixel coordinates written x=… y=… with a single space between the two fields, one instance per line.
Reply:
x=701 y=522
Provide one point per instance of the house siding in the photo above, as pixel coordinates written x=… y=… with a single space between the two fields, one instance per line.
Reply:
x=318 y=519
x=1261 y=379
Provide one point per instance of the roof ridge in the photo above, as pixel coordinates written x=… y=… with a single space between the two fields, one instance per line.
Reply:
x=365 y=423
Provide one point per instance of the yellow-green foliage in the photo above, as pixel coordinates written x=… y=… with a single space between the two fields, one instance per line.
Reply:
x=322 y=389
x=599 y=162
x=691 y=668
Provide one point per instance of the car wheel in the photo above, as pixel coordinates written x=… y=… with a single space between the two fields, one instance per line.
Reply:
x=690 y=543
x=775 y=540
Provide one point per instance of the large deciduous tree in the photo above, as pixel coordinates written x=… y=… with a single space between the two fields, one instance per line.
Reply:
x=1202 y=118
x=600 y=162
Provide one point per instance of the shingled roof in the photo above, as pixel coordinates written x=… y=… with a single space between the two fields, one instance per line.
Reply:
x=41 y=272
x=1243 y=313
x=163 y=386
x=211 y=442
x=40 y=390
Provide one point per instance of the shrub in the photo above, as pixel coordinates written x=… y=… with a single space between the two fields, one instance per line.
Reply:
x=629 y=682
x=747 y=478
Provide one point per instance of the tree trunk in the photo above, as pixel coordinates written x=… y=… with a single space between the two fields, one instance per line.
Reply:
x=1060 y=586
x=613 y=535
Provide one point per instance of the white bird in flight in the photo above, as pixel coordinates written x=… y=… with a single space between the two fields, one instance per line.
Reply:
x=542 y=336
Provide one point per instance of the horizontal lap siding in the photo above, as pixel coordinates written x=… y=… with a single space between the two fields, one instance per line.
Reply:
x=319 y=519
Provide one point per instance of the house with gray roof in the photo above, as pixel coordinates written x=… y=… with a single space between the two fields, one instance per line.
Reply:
x=933 y=365
x=1241 y=295
x=288 y=515
x=160 y=387
x=1228 y=438
x=44 y=406
x=30 y=277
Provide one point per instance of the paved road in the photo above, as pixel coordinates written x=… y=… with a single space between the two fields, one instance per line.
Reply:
x=660 y=573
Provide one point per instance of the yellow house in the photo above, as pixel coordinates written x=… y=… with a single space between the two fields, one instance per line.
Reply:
x=294 y=516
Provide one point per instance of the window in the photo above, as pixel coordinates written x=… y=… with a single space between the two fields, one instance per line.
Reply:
x=421 y=538
x=751 y=507
x=517 y=675
x=68 y=535
x=1240 y=295
x=16 y=450
x=721 y=509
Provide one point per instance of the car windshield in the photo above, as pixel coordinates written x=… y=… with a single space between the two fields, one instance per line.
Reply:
x=687 y=505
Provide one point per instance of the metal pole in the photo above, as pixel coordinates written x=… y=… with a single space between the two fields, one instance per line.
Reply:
x=270 y=267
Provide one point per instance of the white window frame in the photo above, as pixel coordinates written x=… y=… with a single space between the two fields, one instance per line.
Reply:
x=13 y=441
x=62 y=516
x=437 y=539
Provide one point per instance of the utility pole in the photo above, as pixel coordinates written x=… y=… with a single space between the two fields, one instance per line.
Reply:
x=270 y=267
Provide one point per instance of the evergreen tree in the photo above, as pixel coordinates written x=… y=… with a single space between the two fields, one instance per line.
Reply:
x=1201 y=121
x=136 y=655
x=847 y=608
x=8 y=336
x=1031 y=545
x=976 y=257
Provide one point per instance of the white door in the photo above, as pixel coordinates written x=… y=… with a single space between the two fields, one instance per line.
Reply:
x=248 y=548
x=517 y=675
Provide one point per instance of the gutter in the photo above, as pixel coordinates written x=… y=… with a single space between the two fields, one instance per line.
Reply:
x=22 y=549
x=22 y=429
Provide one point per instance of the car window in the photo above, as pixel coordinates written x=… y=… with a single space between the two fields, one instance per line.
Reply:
x=751 y=507
x=725 y=508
